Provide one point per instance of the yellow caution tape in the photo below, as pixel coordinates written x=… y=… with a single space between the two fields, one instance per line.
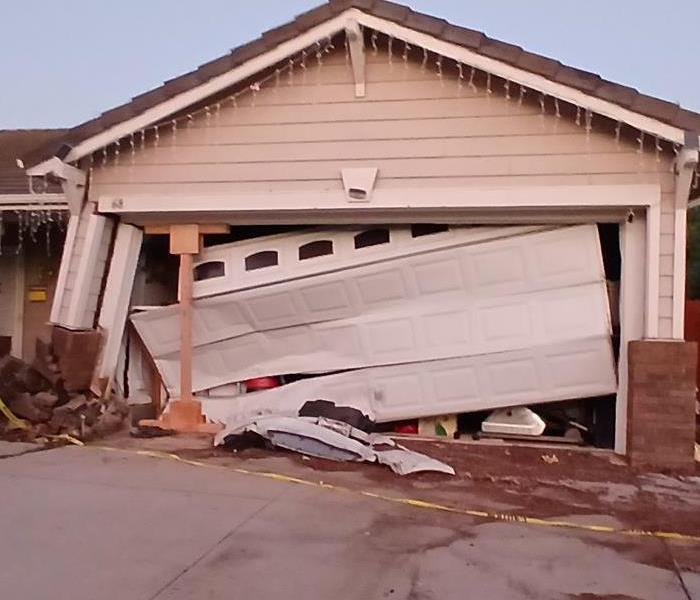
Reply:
x=15 y=422
x=480 y=514
x=64 y=437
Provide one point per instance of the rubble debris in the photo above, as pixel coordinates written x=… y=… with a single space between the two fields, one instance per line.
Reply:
x=12 y=421
x=322 y=437
x=24 y=406
x=550 y=459
x=305 y=435
x=403 y=462
x=347 y=414
x=17 y=377
x=518 y=420
x=146 y=432
x=42 y=407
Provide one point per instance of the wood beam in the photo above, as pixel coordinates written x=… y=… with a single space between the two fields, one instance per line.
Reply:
x=185 y=412
x=356 y=43
x=203 y=228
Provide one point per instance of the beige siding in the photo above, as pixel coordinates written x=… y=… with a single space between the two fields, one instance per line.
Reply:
x=418 y=129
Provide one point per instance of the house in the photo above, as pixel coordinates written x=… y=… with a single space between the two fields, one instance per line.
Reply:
x=32 y=224
x=364 y=112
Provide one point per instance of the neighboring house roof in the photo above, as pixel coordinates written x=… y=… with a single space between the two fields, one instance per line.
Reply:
x=589 y=83
x=16 y=143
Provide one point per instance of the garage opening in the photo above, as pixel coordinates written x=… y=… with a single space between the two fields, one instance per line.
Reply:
x=433 y=327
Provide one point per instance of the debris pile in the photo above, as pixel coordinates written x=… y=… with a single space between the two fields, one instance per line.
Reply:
x=44 y=406
x=334 y=433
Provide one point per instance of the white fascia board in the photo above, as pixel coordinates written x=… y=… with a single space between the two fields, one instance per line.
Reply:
x=211 y=87
x=33 y=202
x=339 y=23
x=576 y=197
x=522 y=77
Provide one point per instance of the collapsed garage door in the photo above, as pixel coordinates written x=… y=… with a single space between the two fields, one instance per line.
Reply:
x=402 y=321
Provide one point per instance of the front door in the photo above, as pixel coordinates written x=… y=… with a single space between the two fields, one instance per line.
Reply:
x=9 y=333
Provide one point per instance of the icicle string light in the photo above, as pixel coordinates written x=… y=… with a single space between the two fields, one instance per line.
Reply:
x=471 y=84
x=640 y=141
x=583 y=116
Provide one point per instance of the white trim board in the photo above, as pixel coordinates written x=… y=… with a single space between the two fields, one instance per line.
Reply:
x=340 y=22
x=435 y=198
x=117 y=295
x=33 y=202
x=632 y=308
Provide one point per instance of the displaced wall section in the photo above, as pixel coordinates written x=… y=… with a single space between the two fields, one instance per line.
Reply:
x=418 y=129
x=82 y=270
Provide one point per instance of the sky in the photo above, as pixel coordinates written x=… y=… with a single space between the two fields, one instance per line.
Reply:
x=62 y=63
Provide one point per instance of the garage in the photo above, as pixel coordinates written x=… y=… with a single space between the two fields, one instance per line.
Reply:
x=413 y=183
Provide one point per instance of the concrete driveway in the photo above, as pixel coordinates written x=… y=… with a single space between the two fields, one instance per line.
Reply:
x=85 y=524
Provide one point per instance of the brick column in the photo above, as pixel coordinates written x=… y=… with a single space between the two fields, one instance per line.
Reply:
x=661 y=401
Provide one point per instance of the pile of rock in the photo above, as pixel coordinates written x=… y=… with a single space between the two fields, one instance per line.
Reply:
x=52 y=409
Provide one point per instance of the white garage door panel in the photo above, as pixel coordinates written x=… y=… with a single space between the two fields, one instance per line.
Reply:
x=583 y=368
x=344 y=254
x=413 y=332
x=508 y=265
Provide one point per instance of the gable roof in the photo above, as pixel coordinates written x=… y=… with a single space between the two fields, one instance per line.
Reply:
x=591 y=84
x=15 y=143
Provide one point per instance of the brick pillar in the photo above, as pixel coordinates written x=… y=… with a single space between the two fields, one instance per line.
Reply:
x=661 y=405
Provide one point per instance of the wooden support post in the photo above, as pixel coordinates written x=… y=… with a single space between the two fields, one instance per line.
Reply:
x=186 y=327
x=185 y=413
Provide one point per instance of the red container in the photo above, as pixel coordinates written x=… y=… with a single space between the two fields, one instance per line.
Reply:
x=406 y=427
x=262 y=383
